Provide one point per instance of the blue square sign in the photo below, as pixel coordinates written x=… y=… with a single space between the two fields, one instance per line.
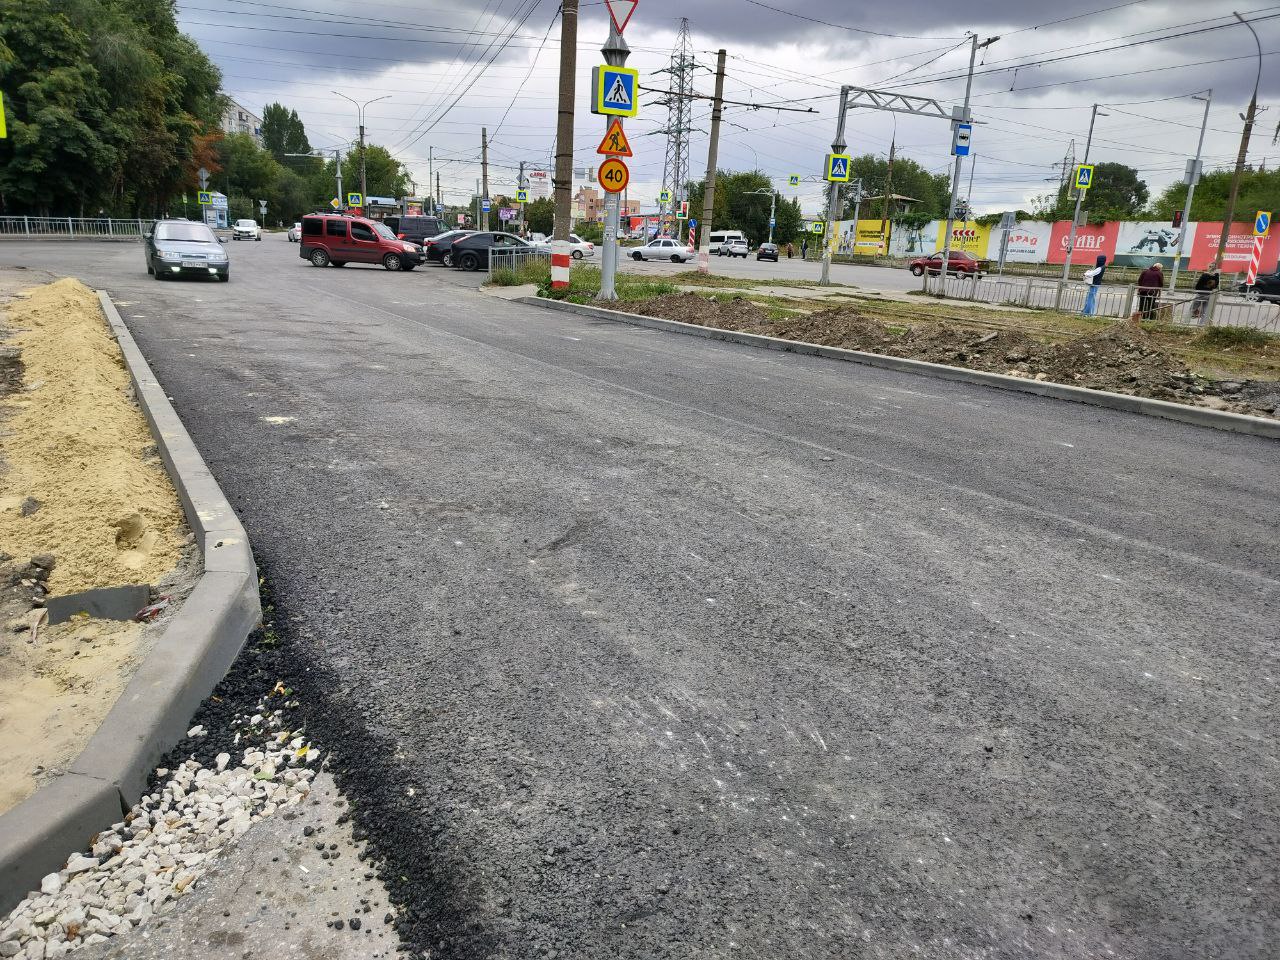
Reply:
x=614 y=91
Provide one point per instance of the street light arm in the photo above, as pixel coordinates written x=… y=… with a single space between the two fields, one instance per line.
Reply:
x=1258 y=43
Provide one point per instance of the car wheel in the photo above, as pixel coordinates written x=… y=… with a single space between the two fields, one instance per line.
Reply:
x=408 y=267
x=319 y=258
x=393 y=261
x=338 y=263
x=258 y=238
x=917 y=271
x=150 y=269
x=675 y=258
x=447 y=259
x=469 y=261
x=157 y=274
x=224 y=277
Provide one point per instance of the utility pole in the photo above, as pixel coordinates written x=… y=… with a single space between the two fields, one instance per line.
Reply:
x=431 y=181
x=563 y=177
x=337 y=165
x=484 y=172
x=955 y=176
x=709 y=186
x=615 y=52
x=1244 y=150
x=888 y=196
x=1193 y=176
x=1075 y=217
x=360 y=109
x=857 y=208
x=439 y=195
x=520 y=206
x=479 y=203
x=968 y=197
x=833 y=188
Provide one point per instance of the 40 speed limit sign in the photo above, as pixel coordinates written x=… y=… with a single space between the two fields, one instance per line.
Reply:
x=613 y=175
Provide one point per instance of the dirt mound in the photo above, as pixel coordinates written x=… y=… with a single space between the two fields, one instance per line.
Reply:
x=998 y=352
x=841 y=327
x=1121 y=359
x=732 y=314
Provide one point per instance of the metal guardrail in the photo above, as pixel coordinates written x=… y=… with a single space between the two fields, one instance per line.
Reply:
x=1177 y=309
x=518 y=257
x=72 y=228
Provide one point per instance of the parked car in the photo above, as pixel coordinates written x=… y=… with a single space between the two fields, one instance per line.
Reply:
x=415 y=229
x=472 y=252
x=338 y=240
x=295 y=233
x=718 y=238
x=439 y=249
x=961 y=263
x=176 y=248
x=767 y=251
x=1266 y=286
x=735 y=248
x=663 y=248
x=246 y=230
x=581 y=248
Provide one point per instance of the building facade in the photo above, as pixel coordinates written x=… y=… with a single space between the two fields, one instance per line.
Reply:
x=240 y=119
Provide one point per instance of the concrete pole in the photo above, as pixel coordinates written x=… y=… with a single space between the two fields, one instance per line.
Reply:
x=363 y=184
x=709 y=185
x=773 y=210
x=563 y=176
x=857 y=209
x=1191 y=192
x=1244 y=150
x=520 y=206
x=833 y=188
x=1075 y=217
x=484 y=173
x=337 y=165
x=955 y=176
x=431 y=182
x=615 y=52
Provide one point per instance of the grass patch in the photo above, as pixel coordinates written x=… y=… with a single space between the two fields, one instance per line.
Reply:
x=584 y=282
x=692 y=278
x=1228 y=337
x=530 y=271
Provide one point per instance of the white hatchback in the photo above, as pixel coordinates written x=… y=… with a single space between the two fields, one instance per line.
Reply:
x=246 y=230
x=663 y=248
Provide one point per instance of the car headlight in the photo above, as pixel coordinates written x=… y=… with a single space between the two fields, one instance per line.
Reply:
x=219 y=257
x=167 y=255
x=410 y=248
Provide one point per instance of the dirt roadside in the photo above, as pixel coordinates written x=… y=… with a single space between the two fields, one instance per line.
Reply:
x=1122 y=358
x=84 y=503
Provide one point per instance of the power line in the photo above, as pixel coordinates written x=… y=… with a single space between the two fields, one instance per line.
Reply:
x=841 y=26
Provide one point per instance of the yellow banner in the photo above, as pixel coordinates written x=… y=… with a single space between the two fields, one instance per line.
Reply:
x=3 y=132
x=967 y=236
x=868 y=239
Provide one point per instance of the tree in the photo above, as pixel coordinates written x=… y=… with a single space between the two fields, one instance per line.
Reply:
x=739 y=205
x=539 y=216
x=1259 y=190
x=283 y=132
x=1118 y=193
x=932 y=190
x=384 y=175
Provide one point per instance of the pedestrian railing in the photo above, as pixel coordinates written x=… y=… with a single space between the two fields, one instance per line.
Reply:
x=515 y=258
x=1182 y=308
x=72 y=228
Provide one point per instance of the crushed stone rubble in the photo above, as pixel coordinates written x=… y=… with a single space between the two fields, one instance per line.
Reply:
x=160 y=850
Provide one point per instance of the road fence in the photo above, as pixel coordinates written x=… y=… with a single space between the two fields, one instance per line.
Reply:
x=516 y=258
x=1177 y=309
x=72 y=228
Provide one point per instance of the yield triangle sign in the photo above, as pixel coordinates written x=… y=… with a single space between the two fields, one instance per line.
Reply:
x=620 y=12
x=615 y=142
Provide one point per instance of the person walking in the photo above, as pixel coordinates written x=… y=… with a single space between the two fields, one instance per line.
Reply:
x=1150 y=282
x=1206 y=283
x=790 y=249
x=1094 y=279
x=804 y=249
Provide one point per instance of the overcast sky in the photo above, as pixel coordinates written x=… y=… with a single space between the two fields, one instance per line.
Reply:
x=451 y=68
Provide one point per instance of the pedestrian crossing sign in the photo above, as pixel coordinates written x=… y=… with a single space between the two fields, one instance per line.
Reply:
x=355 y=200
x=1084 y=176
x=522 y=196
x=614 y=91
x=203 y=198
x=818 y=227
x=664 y=196
x=838 y=167
x=1262 y=223
x=794 y=180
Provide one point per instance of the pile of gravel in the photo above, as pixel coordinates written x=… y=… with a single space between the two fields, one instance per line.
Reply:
x=159 y=851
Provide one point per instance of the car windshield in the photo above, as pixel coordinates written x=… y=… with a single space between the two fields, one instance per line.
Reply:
x=382 y=230
x=245 y=223
x=185 y=231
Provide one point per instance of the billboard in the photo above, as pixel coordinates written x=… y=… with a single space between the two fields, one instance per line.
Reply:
x=1239 y=250
x=966 y=235
x=1091 y=240
x=1140 y=244
x=539 y=184
x=1028 y=242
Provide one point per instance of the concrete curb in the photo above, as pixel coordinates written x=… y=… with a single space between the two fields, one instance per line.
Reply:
x=189 y=658
x=1216 y=419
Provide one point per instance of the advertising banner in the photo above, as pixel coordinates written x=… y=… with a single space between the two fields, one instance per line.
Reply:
x=1140 y=244
x=1028 y=242
x=966 y=235
x=909 y=241
x=1091 y=240
x=1235 y=259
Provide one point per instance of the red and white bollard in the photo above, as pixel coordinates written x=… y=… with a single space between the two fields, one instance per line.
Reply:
x=561 y=257
x=1254 y=262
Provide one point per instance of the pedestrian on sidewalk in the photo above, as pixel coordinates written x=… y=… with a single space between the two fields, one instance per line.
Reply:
x=1150 y=282
x=1094 y=279
x=790 y=249
x=1206 y=283
x=804 y=249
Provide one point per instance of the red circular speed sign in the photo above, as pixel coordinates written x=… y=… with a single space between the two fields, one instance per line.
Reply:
x=613 y=175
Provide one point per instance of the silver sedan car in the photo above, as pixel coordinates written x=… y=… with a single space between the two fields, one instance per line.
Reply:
x=663 y=248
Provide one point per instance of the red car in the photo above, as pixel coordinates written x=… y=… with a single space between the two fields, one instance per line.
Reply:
x=338 y=239
x=961 y=263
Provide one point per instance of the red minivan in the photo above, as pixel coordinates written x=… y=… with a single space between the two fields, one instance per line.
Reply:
x=335 y=239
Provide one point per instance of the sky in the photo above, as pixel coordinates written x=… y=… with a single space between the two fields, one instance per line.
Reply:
x=449 y=68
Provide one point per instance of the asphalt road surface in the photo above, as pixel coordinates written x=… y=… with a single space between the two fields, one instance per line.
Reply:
x=667 y=648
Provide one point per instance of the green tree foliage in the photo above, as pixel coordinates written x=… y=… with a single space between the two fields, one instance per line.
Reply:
x=383 y=173
x=738 y=206
x=106 y=101
x=1259 y=190
x=1118 y=193
x=933 y=190
x=283 y=132
x=539 y=216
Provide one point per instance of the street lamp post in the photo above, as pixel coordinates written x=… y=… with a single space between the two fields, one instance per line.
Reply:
x=1248 y=118
x=773 y=205
x=337 y=169
x=360 y=108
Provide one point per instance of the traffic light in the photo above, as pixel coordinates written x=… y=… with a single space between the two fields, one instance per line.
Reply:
x=1177 y=218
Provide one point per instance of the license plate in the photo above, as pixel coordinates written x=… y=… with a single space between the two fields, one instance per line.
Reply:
x=193 y=263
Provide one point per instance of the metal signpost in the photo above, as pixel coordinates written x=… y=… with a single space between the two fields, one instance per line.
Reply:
x=615 y=90
x=1261 y=228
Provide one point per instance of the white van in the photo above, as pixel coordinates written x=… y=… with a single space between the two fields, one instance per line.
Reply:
x=721 y=238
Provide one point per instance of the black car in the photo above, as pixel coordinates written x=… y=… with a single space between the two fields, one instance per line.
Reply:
x=415 y=229
x=185 y=248
x=472 y=253
x=439 y=249
x=767 y=251
x=1266 y=286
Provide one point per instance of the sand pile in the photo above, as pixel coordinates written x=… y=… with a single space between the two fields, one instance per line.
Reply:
x=80 y=478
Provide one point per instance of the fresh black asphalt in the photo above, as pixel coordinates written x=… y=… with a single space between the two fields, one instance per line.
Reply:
x=644 y=646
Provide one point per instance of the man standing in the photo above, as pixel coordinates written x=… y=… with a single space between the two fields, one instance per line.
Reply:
x=804 y=249
x=1206 y=283
x=1150 y=281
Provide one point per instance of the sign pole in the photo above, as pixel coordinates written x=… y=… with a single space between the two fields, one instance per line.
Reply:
x=833 y=187
x=1075 y=218
x=1193 y=175
x=615 y=52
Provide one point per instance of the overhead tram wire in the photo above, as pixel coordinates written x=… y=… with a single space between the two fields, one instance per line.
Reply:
x=532 y=65
x=843 y=26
